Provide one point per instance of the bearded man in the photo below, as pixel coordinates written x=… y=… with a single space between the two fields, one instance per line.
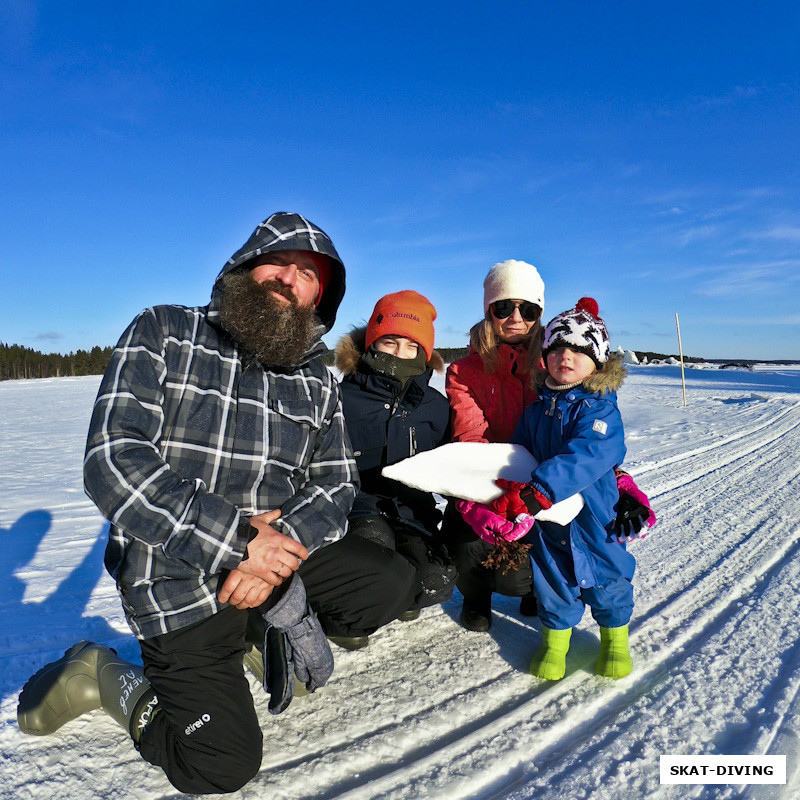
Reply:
x=218 y=451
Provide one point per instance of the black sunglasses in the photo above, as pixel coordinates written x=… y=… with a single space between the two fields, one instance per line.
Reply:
x=502 y=309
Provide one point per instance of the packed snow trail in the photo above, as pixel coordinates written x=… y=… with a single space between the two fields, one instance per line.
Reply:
x=429 y=709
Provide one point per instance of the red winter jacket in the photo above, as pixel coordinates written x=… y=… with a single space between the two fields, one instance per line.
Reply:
x=486 y=408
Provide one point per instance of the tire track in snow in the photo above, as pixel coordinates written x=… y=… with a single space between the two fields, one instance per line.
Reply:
x=736 y=551
x=728 y=441
x=600 y=704
x=783 y=425
x=737 y=539
x=596 y=738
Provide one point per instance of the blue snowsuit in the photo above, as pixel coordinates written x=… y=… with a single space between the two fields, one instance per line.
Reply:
x=577 y=437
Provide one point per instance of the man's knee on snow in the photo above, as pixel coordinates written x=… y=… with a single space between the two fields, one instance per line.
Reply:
x=219 y=769
x=202 y=757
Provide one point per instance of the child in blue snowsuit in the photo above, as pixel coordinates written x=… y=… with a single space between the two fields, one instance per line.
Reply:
x=574 y=430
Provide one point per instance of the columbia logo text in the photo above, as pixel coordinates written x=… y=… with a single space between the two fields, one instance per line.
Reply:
x=394 y=314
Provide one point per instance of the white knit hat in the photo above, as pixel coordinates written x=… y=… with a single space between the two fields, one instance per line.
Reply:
x=580 y=329
x=513 y=280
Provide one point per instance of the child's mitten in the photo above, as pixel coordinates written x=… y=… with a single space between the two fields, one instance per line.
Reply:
x=492 y=527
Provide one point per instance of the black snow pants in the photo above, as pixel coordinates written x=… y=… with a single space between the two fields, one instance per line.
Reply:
x=355 y=586
x=206 y=736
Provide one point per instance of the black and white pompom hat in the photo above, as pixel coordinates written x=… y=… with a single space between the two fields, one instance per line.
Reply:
x=580 y=329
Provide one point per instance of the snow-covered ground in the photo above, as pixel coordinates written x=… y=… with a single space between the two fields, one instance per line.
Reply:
x=430 y=710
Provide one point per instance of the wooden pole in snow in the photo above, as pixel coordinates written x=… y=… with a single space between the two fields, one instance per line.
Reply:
x=680 y=350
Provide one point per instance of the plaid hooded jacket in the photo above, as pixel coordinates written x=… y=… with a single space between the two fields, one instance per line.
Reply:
x=187 y=439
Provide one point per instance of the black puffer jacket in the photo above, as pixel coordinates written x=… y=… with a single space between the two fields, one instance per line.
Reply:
x=387 y=424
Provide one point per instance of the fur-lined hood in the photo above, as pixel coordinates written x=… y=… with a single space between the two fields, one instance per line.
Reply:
x=606 y=379
x=352 y=346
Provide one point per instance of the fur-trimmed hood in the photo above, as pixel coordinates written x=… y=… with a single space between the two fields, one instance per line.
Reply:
x=352 y=346
x=608 y=378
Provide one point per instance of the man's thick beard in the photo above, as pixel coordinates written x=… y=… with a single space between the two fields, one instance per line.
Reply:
x=275 y=333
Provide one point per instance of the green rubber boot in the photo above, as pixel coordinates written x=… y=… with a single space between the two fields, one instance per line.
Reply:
x=550 y=660
x=614 y=660
x=254 y=661
x=86 y=677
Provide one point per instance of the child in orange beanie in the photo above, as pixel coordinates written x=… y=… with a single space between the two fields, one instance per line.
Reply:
x=392 y=412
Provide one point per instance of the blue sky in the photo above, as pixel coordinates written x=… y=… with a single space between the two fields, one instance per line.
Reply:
x=647 y=154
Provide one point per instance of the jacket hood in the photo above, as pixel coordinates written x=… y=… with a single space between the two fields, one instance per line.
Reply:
x=286 y=231
x=352 y=346
x=608 y=378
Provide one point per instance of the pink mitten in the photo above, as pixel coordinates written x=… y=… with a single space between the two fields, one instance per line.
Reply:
x=492 y=527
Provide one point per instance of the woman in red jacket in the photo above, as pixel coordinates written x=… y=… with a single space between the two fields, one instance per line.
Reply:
x=488 y=389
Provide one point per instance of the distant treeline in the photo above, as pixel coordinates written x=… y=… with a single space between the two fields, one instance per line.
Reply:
x=451 y=354
x=646 y=354
x=17 y=362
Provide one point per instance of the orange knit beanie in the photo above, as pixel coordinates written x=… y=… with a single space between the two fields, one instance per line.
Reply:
x=405 y=313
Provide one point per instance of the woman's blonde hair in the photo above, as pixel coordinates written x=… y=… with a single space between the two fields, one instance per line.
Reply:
x=484 y=341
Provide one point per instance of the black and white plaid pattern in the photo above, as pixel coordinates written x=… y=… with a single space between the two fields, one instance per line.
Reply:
x=184 y=438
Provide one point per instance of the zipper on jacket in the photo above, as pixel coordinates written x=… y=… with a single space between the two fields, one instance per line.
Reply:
x=553 y=401
x=412 y=441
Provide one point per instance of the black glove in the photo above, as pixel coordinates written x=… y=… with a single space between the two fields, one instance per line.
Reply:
x=435 y=571
x=631 y=517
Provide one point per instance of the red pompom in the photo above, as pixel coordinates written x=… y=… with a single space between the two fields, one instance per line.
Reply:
x=588 y=304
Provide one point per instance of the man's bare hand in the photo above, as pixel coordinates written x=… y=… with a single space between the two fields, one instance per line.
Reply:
x=272 y=556
x=244 y=591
